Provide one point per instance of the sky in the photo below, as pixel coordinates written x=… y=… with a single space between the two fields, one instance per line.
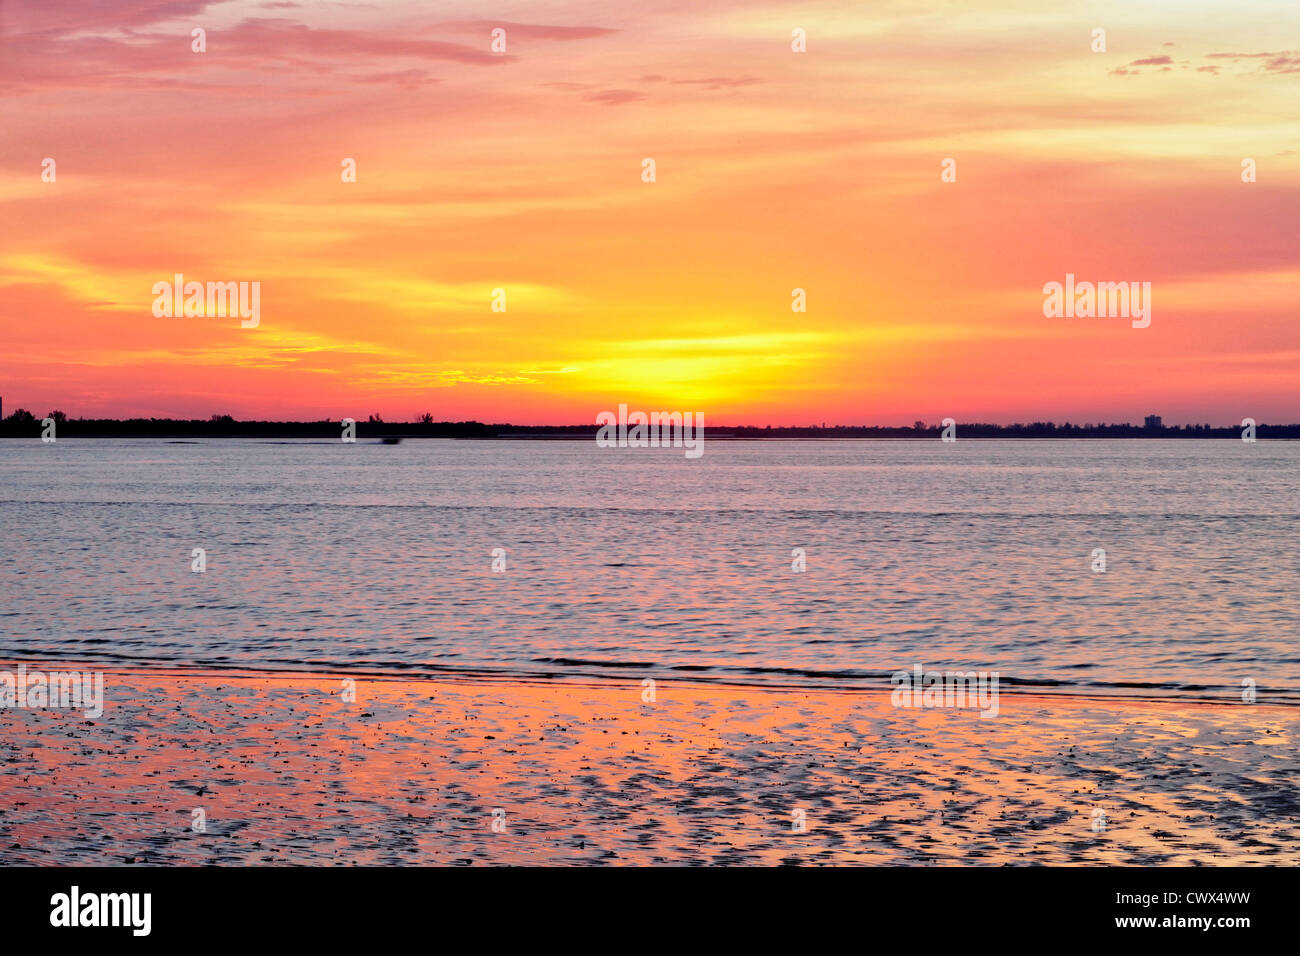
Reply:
x=774 y=170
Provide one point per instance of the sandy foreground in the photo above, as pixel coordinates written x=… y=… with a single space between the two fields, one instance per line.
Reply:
x=491 y=772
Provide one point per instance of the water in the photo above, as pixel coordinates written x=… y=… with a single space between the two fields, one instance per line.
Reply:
x=626 y=563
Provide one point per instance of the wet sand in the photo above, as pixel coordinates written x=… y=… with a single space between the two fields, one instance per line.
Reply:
x=417 y=771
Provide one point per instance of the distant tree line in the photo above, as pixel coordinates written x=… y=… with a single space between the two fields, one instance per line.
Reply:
x=23 y=424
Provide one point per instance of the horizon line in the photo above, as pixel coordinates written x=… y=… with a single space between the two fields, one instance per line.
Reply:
x=1154 y=423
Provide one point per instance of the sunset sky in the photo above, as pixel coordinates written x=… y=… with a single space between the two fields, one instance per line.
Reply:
x=775 y=170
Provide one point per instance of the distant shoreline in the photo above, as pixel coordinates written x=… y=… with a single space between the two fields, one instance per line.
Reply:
x=176 y=429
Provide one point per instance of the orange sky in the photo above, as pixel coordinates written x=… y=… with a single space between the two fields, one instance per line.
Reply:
x=775 y=170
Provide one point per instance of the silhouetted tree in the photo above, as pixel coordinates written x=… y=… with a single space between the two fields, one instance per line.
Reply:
x=57 y=416
x=22 y=415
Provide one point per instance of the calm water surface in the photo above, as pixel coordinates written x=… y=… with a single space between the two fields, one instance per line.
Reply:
x=629 y=563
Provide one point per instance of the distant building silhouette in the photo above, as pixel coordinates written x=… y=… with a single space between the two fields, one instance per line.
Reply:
x=1153 y=421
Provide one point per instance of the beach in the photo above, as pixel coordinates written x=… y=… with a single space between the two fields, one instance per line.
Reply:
x=284 y=769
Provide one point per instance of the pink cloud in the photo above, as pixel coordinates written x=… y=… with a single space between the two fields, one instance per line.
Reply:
x=614 y=97
x=527 y=31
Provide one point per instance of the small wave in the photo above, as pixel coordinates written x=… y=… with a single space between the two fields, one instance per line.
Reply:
x=598 y=671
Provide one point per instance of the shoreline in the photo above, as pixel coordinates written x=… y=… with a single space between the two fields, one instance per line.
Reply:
x=472 y=674
x=379 y=432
